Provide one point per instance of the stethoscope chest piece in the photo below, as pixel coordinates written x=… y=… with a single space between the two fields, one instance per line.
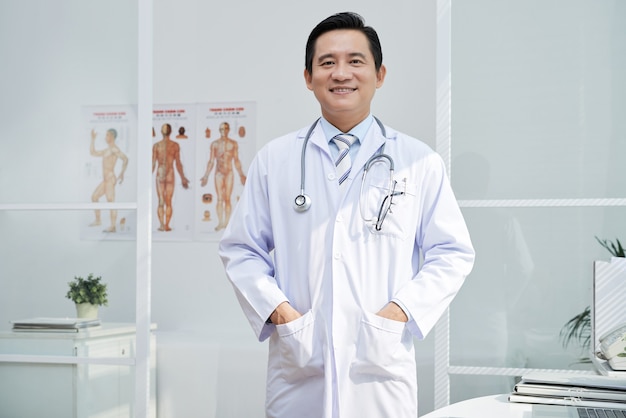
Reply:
x=302 y=203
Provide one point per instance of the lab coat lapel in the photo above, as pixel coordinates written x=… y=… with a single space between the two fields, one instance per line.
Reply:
x=372 y=142
x=318 y=139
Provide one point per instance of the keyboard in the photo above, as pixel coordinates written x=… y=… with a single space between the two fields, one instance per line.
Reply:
x=601 y=413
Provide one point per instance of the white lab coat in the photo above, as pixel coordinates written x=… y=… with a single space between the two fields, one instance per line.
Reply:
x=340 y=359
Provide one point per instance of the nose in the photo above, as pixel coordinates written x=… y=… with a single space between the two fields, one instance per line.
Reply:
x=342 y=72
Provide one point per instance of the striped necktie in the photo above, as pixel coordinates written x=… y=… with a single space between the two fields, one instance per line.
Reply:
x=343 y=162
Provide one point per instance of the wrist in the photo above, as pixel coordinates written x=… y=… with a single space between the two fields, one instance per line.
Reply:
x=283 y=313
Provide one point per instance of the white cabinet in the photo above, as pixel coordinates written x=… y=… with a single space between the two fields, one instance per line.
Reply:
x=100 y=383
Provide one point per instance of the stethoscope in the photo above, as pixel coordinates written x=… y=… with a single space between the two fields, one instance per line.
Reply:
x=302 y=202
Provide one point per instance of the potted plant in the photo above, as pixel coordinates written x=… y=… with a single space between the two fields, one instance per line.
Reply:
x=88 y=294
x=579 y=327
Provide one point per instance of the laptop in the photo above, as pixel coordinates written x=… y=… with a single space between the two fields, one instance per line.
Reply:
x=571 y=395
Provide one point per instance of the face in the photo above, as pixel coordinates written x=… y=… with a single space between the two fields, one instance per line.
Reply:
x=344 y=77
x=110 y=138
x=224 y=129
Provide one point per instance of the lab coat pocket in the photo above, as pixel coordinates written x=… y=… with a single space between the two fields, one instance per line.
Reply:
x=382 y=349
x=399 y=211
x=403 y=212
x=300 y=348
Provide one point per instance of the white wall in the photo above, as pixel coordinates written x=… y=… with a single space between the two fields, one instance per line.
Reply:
x=73 y=53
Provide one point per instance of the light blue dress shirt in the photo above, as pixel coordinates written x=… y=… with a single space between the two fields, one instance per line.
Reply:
x=359 y=131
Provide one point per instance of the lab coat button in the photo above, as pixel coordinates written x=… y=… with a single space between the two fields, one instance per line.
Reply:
x=337 y=255
x=339 y=219
x=331 y=176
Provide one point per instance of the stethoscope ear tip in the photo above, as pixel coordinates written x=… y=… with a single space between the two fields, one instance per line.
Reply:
x=302 y=203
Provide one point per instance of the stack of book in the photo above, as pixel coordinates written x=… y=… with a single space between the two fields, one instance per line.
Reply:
x=54 y=324
x=570 y=389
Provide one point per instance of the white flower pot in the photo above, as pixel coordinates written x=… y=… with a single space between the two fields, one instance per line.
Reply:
x=86 y=310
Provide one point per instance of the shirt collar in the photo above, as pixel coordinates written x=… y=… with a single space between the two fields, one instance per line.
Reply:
x=330 y=131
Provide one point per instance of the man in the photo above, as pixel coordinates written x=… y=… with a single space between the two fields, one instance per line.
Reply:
x=166 y=155
x=224 y=152
x=109 y=155
x=342 y=288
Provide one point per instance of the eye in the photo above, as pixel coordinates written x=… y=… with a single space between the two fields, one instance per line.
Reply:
x=326 y=63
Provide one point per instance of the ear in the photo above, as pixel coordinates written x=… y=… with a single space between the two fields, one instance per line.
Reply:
x=380 y=77
x=307 y=79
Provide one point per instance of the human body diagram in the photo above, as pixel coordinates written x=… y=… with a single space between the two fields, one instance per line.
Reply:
x=110 y=156
x=165 y=159
x=224 y=154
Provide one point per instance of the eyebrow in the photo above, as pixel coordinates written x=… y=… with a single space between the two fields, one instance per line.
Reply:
x=351 y=55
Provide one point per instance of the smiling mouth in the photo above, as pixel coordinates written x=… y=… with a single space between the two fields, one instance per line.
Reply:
x=342 y=90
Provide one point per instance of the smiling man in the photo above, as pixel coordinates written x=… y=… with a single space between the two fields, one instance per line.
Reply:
x=346 y=244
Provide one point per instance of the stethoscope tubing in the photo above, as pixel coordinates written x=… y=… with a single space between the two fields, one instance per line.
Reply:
x=302 y=202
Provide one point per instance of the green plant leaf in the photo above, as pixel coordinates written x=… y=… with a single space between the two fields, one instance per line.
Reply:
x=578 y=329
x=89 y=290
x=616 y=249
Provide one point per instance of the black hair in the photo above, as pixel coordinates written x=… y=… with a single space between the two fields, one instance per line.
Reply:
x=344 y=20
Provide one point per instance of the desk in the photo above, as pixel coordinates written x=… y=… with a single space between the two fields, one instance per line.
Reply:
x=494 y=406
x=36 y=387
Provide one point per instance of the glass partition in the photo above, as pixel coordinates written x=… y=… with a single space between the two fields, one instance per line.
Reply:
x=45 y=252
x=538 y=99
x=537 y=152
x=68 y=193
x=533 y=272
x=59 y=58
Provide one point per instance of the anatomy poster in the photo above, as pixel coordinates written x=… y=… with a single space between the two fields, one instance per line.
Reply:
x=108 y=171
x=225 y=147
x=173 y=150
x=200 y=155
